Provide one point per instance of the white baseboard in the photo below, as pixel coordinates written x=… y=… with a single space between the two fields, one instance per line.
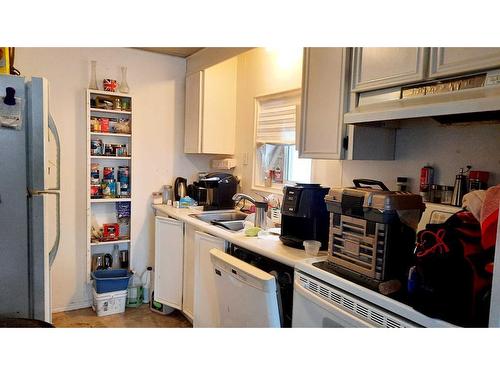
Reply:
x=73 y=306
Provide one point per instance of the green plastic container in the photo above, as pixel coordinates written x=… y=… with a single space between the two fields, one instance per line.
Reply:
x=134 y=296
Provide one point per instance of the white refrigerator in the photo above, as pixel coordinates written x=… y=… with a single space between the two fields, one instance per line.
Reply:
x=29 y=198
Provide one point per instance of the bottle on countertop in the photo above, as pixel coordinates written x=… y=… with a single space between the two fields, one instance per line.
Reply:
x=460 y=187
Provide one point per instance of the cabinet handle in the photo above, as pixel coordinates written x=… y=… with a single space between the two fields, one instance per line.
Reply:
x=345 y=142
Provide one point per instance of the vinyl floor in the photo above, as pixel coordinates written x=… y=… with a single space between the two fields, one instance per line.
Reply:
x=133 y=317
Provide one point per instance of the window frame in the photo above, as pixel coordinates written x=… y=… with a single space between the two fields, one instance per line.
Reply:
x=276 y=188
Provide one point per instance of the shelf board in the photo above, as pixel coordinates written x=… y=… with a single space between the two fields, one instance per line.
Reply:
x=111 y=134
x=108 y=242
x=100 y=110
x=109 y=93
x=111 y=157
x=109 y=200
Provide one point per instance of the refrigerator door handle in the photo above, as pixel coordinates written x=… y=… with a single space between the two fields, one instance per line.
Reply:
x=53 y=129
x=56 y=191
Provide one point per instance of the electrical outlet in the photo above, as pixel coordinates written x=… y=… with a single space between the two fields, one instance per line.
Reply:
x=245 y=158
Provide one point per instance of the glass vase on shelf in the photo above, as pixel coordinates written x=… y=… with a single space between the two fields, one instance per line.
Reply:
x=123 y=84
x=93 y=80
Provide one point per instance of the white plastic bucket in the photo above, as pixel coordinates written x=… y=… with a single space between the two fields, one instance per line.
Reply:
x=109 y=303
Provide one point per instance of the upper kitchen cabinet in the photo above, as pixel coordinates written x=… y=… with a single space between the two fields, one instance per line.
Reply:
x=377 y=68
x=324 y=100
x=446 y=61
x=210 y=118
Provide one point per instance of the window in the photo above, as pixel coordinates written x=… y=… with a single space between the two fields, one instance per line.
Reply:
x=277 y=161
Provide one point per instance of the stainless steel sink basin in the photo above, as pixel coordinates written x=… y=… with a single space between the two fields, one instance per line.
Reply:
x=232 y=220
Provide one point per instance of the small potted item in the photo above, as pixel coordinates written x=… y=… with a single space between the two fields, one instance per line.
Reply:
x=110 y=85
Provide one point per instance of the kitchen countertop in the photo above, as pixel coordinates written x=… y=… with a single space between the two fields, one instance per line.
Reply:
x=272 y=248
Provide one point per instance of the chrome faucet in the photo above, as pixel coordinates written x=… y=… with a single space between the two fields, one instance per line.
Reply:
x=260 y=208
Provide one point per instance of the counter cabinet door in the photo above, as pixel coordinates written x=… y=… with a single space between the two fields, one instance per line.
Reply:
x=448 y=61
x=378 y=68
x=169 y=237
x=206 y=306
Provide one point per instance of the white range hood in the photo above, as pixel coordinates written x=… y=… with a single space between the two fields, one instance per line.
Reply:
x=475 y=104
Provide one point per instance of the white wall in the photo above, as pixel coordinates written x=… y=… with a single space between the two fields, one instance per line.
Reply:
x=446 y=148
x=157 y=83
x=260 y=72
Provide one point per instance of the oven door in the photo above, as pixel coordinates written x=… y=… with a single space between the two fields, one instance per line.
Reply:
x=310 y=311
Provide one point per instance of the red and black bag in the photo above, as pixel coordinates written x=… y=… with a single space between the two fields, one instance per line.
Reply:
x=449 y=280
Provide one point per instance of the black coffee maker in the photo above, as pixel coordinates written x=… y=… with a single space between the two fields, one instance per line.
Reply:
x=214 y=191
x=304 y=215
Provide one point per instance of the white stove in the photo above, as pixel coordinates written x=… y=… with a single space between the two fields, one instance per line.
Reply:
x=324 y=299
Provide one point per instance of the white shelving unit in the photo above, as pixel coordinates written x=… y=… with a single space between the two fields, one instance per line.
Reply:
x=103 y=210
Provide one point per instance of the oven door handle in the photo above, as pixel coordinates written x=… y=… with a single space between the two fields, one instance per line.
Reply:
x=334 y=310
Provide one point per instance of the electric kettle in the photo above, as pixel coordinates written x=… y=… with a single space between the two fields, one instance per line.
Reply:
x=180 y=188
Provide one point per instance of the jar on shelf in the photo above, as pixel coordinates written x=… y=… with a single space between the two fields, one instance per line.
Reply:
x=446 y=194
x=435 y=194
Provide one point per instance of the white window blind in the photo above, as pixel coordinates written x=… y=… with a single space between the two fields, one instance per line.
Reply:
x=277 y=120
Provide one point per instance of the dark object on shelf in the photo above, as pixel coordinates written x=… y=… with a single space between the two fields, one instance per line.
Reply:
x=107 y=261
x=23 y=323
x=110 y=280
x=460 y=187
x=124 y=258
x=304 y=215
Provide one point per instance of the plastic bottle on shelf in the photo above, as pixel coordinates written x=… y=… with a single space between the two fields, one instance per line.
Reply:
x=116 y=256
x=146 y=284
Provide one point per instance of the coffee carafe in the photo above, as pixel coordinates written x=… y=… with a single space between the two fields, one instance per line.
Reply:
x=460 y=188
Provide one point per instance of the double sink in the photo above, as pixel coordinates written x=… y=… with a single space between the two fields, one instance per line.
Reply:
x=230 y=220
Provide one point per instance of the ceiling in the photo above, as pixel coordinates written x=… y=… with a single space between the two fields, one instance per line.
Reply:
x=173 y=51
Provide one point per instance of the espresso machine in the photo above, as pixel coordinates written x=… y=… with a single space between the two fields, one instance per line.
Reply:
x=304 y=215
x=214 y=191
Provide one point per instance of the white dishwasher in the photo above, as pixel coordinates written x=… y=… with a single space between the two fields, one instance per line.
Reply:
x=247 y=296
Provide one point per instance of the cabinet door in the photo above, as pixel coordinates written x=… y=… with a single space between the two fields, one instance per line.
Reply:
x=324 y=100
x=447 y=61
x=219 y=108
x=377 y=68
x=193 y=113
x=188 y=279
x=169 y=236
x=206 y=307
